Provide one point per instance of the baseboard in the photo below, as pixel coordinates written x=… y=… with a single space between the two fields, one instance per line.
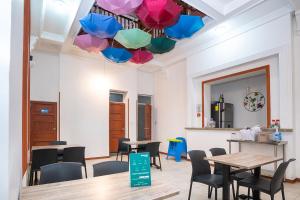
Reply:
x=95 y=158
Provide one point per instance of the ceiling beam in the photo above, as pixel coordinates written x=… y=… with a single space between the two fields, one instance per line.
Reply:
x=295 y=4
x=205 y=8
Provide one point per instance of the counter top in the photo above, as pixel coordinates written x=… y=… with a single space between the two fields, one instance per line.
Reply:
x=236 y=129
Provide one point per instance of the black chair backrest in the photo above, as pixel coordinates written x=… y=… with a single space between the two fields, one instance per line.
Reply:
x=122 y=147
x=58 y=172
x=74 y=154
x=278 y=177
x=58 y=143
x=152 y=148
x=110 y=167
x=217 y=152
x=41 y=157
x=199 y=165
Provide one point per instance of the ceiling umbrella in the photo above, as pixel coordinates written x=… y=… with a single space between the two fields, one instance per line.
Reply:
x=101 y=26
x=141 y=56
x=186 y=26
x=90 y=43
x=158 y=13
x=118 y=55
x=161 y=45
x=133 y=38
x=120 y=7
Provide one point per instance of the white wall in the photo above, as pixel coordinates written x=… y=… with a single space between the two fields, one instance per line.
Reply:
x=234 y=92
x=11 y=40
x=297 y=98
x=44 y=72
x=84 y=87
x=170 y=103
x=145 y=83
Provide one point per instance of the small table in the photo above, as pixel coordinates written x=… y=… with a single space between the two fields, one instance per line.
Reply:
x=274 y=144
x=58 y=147
x=244 y=161
x=110 y=187
x=136 y=143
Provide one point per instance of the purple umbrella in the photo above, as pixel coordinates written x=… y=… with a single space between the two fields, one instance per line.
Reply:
x=119 y=7
x=90 y=43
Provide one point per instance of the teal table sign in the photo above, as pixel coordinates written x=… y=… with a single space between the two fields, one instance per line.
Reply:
x=140 y=169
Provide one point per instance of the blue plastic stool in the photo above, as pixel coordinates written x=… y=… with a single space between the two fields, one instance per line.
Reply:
x=177 y=148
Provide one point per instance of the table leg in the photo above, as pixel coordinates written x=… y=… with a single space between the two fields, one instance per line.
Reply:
x=256 y=193
x=229 y=147
x=275 y=155
x=226 y=182
x=240 y=147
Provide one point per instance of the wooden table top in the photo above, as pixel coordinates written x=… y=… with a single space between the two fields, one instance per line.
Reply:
x=59 y=147
x=244 y=160
x=139 y=142
x=111 y=187
x=270 y=142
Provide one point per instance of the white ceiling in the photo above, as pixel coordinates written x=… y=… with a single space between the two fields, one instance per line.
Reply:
x=55 y=24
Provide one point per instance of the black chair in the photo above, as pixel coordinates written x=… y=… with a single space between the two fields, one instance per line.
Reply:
x=153 y=149
x=270 y=187
x=141 y=148
x=75 y=154
x=123 y=149
x=110 y=167
x=41 y=157
x=58 y=172
x=58 y=142
x=201 y=173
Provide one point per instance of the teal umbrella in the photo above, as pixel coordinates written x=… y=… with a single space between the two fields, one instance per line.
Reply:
x=133 y=38
x=161 y=45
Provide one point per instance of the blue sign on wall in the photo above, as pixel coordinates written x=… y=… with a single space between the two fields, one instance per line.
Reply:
x=140 y=169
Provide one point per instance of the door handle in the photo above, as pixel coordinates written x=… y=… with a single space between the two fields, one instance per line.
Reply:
x=54 y=129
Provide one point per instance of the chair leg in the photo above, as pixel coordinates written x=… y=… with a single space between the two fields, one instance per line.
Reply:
x=248 y=193
x=237 y=192
x=191 y=185
x=216 y=193
x=117 y=156
x=282 y=192
x=31 y=178
x=272 y=197
x=85 y=170
x=121 y=157
x=35 y=178
x=233 y=190
x=209 y=192
x=159 y=162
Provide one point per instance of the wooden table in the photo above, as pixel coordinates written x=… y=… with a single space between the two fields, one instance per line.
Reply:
x=241 y=161
x=58 y=147
x=136 y=143
x=111 y=187
x=272 y=143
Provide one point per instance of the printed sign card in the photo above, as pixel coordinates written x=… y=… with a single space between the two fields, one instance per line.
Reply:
x=140 y=169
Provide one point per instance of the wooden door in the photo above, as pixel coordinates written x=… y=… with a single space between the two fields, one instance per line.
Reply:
x=147 y=127
x=116 y=125
x=43 y=123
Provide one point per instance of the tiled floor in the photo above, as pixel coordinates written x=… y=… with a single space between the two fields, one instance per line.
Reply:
x=178 y=173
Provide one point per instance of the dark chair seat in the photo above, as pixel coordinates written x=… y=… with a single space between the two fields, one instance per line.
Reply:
x=123 y=149
x=260 y=184
x=110 y=167
x=213 y=180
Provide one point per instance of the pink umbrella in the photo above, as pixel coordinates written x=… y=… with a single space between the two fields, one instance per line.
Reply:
x=141 y=56
x=119 y=7
x=90 y=43
x=158 y=13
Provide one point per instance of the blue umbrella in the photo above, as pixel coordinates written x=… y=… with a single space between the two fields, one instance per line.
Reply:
x=186 y=26
x=101 y=26
x=118 y=55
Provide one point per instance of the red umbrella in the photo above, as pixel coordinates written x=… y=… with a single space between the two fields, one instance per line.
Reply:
x=158 y=13
x=141 y=56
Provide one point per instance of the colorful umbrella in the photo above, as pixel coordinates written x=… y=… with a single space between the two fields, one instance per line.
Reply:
x=101 y=26
x=186 y=26
x=90 y=43
x=133 y=38
x=118 y=55
x=120 y=7
x=158 y=13
x=161 y=45
x=141 y=56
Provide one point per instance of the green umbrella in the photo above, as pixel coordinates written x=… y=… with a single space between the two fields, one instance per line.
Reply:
x=161 y=45
x=133 y=38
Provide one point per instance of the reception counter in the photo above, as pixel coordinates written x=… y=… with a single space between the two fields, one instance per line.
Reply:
x=207 y=138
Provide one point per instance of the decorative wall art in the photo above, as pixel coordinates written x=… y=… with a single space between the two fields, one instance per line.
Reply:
x=254 y=101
